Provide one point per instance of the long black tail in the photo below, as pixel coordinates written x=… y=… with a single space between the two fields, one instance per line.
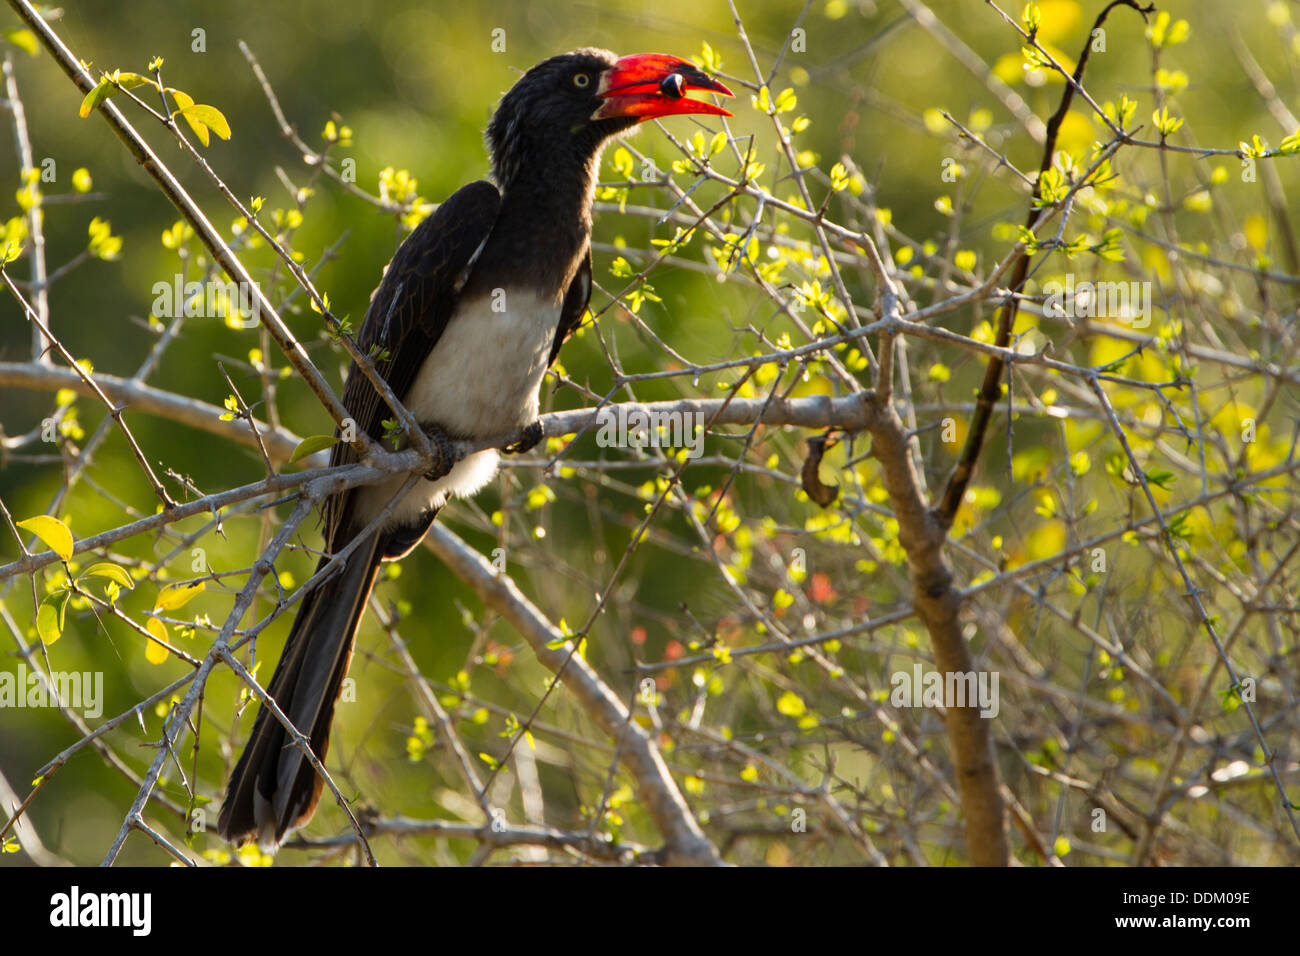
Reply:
x=274 y=788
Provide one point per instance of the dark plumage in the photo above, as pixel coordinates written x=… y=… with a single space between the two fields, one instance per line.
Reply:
x=463 y=367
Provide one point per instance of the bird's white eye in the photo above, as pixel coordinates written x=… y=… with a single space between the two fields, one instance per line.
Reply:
x=582 y=80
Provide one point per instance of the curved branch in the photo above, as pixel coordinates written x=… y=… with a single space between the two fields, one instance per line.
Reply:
x=211 y=238
x=280 y=442
x=684 y=841
x=991 y=389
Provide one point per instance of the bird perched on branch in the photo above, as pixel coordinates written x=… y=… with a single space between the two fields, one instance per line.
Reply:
x=471 y=312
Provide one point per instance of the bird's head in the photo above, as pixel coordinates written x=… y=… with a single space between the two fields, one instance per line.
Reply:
x=570 y=105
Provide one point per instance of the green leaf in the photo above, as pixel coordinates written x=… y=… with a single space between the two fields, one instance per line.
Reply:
x=53 y=532
x=311 y=445
x=48 y=625
x=110 y=85
x=114 y=572
x=1162 y=478
x=129 y=81
x=1031 y=17
x=102 y=91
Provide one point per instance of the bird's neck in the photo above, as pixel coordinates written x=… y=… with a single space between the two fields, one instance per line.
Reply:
x=544 y=225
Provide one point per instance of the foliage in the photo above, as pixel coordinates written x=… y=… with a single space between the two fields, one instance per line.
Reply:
x=875 y=226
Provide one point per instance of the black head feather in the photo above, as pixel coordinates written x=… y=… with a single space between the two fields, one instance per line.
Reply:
x=547 y=116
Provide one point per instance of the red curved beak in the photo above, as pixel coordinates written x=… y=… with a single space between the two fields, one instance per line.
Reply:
x=649 y=85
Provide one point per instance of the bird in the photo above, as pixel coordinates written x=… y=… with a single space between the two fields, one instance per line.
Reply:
x=469 y=315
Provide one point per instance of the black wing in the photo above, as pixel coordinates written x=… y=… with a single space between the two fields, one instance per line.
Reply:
x=410 y=309
x=575 y=304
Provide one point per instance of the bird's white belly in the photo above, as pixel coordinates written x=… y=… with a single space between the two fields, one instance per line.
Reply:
x=480 y=380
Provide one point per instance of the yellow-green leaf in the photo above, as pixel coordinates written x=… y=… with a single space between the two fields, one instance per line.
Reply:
x=109 y=86
x=47 y=623
x=202 y=117
x=53 y=532
x=311 y=445
x=213 y=118
x=114 y=572
x=102 y=91
x=25 y=40
x=177 y=595
x=128 y=81
x=185 y=101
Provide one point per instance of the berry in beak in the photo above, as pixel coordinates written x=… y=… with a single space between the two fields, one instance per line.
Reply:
x=649 y=85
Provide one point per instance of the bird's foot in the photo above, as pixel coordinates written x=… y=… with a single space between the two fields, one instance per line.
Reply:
x=442 y=442
x=532 y=435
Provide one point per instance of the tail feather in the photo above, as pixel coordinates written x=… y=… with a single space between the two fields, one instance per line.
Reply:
x=274 y=788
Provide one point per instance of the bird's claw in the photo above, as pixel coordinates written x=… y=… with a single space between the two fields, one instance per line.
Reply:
x=442 y=443
x=532 y=435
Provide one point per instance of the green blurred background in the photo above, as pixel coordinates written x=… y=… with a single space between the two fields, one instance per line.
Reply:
x=416 y=82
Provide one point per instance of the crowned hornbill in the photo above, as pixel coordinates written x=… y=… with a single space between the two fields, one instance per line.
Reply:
x=470 y=313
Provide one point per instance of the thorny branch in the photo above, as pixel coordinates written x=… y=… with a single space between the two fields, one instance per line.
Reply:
x=955 y=578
